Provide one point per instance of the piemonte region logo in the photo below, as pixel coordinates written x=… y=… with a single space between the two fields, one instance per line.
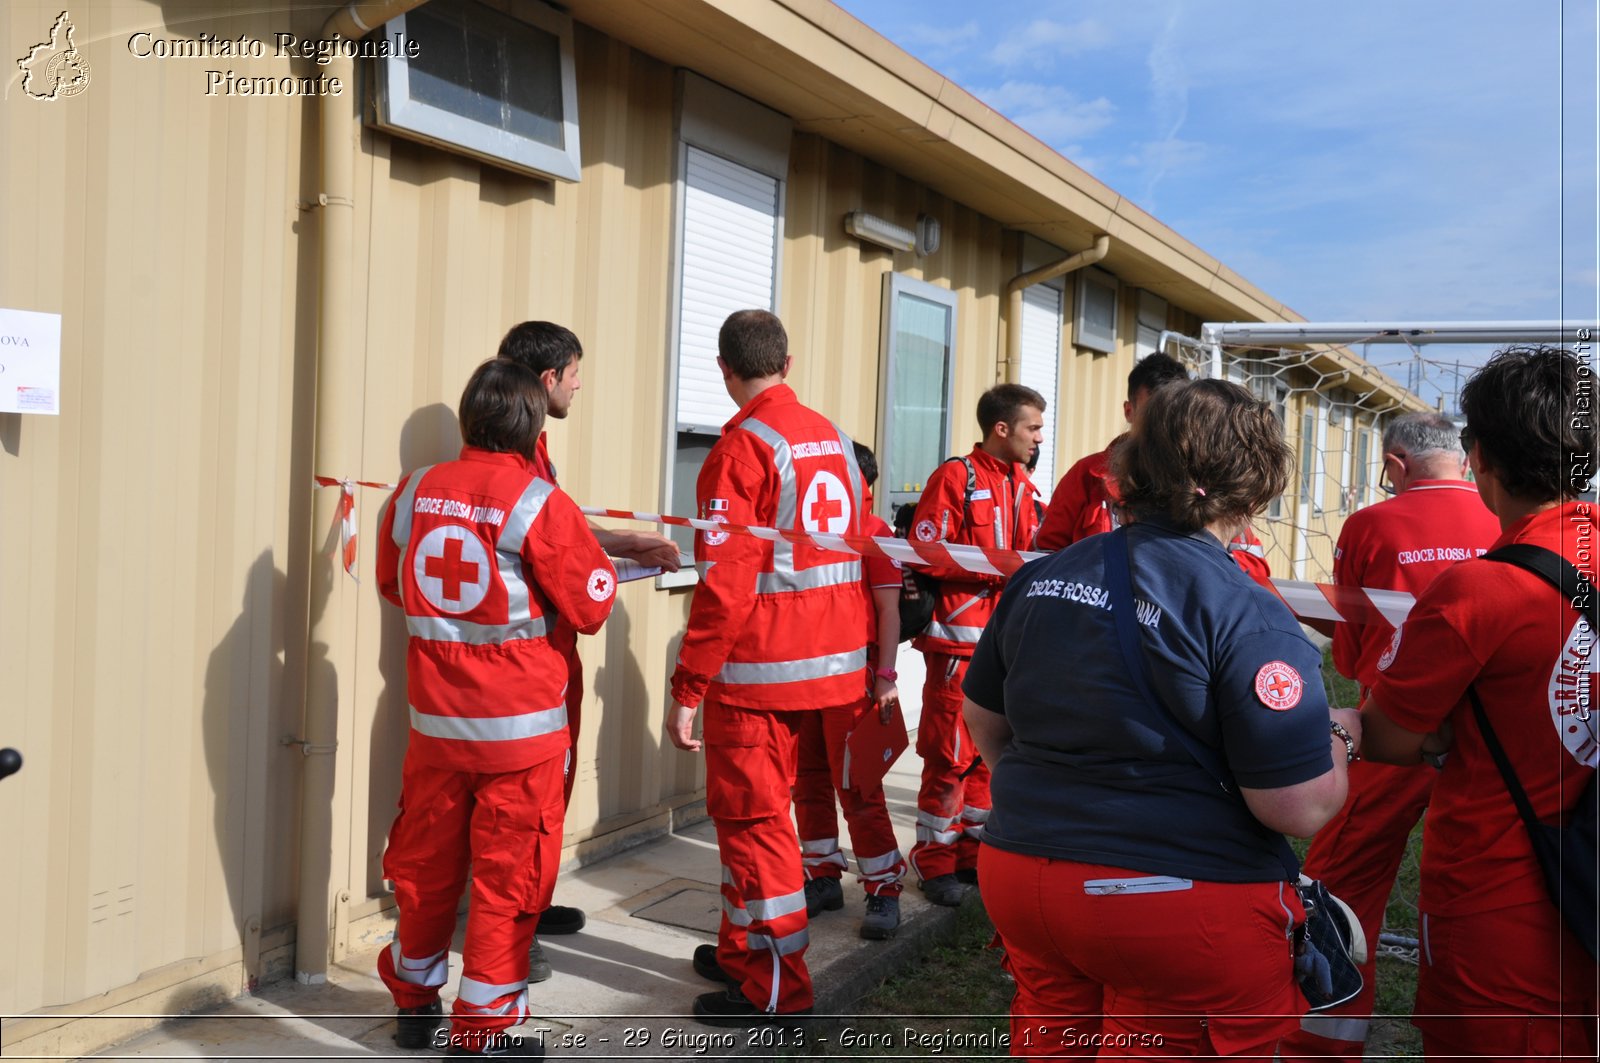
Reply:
x=55 y=69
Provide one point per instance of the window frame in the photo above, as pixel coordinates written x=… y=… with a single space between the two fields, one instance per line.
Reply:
x=1082 y=336
x=397 y=113
x=894 y=285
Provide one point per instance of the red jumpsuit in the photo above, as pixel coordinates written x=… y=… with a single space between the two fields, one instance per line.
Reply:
x=1401 y=544
x=879 y=865
x=953 y=800
x=1084 y=504
x=776 y=631
x=1501 y=976
x=485 y=558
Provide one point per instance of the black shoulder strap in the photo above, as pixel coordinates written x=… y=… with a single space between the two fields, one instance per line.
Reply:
x=1556 y=571
x=1564 y=576
x=972 y=482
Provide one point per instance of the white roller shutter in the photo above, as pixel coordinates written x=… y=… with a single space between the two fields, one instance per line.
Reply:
x=1041 y=367
x=730 y=237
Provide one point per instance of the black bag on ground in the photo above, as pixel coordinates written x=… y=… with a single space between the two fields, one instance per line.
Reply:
x=918 y=590
x=1566 y=855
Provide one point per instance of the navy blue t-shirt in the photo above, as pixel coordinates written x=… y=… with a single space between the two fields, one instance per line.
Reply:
x=1091 y=772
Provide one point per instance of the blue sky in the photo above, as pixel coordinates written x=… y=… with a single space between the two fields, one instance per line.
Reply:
x=1415 y=159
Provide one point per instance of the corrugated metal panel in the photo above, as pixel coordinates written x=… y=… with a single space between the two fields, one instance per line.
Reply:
x=1041 y=365
x=730 y=228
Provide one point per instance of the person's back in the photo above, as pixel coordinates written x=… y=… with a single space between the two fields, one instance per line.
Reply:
x=776 y=632
x=1436 y=520
x=1129 y=862
x=1504 y=976
x=1082 y=750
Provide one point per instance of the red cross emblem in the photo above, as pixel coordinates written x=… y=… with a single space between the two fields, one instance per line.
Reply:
x=601 y=584
x=451 y=568
x=1279 y=686
x=826 y=507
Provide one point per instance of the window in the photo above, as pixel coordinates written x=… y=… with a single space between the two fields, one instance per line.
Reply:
x=1041 y=367
x=1095 y=324
x=499 y=88
x=919 y=348
x=732 y=156
x=1152 y=323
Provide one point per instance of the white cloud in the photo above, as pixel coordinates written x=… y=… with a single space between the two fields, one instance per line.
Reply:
x=1044 y=41
x=1052 y=113
x=927 y=39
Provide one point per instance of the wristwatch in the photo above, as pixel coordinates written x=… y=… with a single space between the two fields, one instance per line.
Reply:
x=1349 y=743
x=886 y=673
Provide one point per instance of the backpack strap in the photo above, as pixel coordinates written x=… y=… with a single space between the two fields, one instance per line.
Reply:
x=1564 y=576
x=1556 y=571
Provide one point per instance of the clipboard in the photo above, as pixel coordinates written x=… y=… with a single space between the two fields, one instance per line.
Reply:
x=872 y=747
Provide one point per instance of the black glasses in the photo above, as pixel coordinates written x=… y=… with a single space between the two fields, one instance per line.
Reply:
x=1467 y=439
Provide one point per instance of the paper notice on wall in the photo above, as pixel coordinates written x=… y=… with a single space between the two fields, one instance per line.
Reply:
x=30 y=362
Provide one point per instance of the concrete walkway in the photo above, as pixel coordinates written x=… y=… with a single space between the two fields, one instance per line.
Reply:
x=622 y=988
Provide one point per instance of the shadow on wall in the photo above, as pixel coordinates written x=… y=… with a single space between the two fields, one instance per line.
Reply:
x=429 y=436
x=622 y=708
x=244 y=681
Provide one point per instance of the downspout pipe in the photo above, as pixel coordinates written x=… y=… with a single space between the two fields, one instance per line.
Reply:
x=337 y=450
x=1011 y=365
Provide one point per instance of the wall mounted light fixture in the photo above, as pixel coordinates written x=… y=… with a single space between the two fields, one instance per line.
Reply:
x=871 y=229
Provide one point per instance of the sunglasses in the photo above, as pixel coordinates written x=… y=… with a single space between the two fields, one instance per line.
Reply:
x=1467 y=439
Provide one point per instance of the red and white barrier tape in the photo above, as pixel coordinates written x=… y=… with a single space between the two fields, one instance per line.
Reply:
x=349 y=524
x=1307 y=600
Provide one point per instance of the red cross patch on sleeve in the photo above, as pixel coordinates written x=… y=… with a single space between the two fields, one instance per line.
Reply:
x=1279 y=686
x=601 y=584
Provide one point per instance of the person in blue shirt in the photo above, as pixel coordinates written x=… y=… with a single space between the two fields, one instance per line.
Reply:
x=1142 y=905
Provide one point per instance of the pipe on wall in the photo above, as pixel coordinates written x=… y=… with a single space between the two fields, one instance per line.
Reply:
x=337 y=448
x=1010 y=368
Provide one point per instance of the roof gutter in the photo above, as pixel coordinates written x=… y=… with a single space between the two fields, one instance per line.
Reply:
x=1010 y=367
x=337 y=451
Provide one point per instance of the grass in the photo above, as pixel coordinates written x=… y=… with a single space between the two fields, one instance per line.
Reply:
x=1392 y=1036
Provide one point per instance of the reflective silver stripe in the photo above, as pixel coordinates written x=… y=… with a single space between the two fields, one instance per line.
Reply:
x=490 y=729
x=787 y=945
x=445 y=629
x=932 y=828
x=517 y=1006
x=767 y=672
x=877 y=865
x=1145 y=884
x=955 y=633
x=482 y=994
x=858 y=491
x=1288 y=916
x=735 y=912
x=403 y=504
x=431 y=971
x=820 y=847
x=968 y=604
x=768 y=908
x=969 y=814
x=508 y=550
x=843 y=573
x=1427 y=945
x=1335 y=1027
x=788 y=489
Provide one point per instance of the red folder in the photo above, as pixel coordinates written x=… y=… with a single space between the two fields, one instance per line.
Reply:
x=872 y=747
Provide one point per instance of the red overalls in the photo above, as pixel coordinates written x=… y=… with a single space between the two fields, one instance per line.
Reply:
x=484 y=557
x=776 y=631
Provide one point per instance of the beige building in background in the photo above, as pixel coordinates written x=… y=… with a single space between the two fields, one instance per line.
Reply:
x=258 y=289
